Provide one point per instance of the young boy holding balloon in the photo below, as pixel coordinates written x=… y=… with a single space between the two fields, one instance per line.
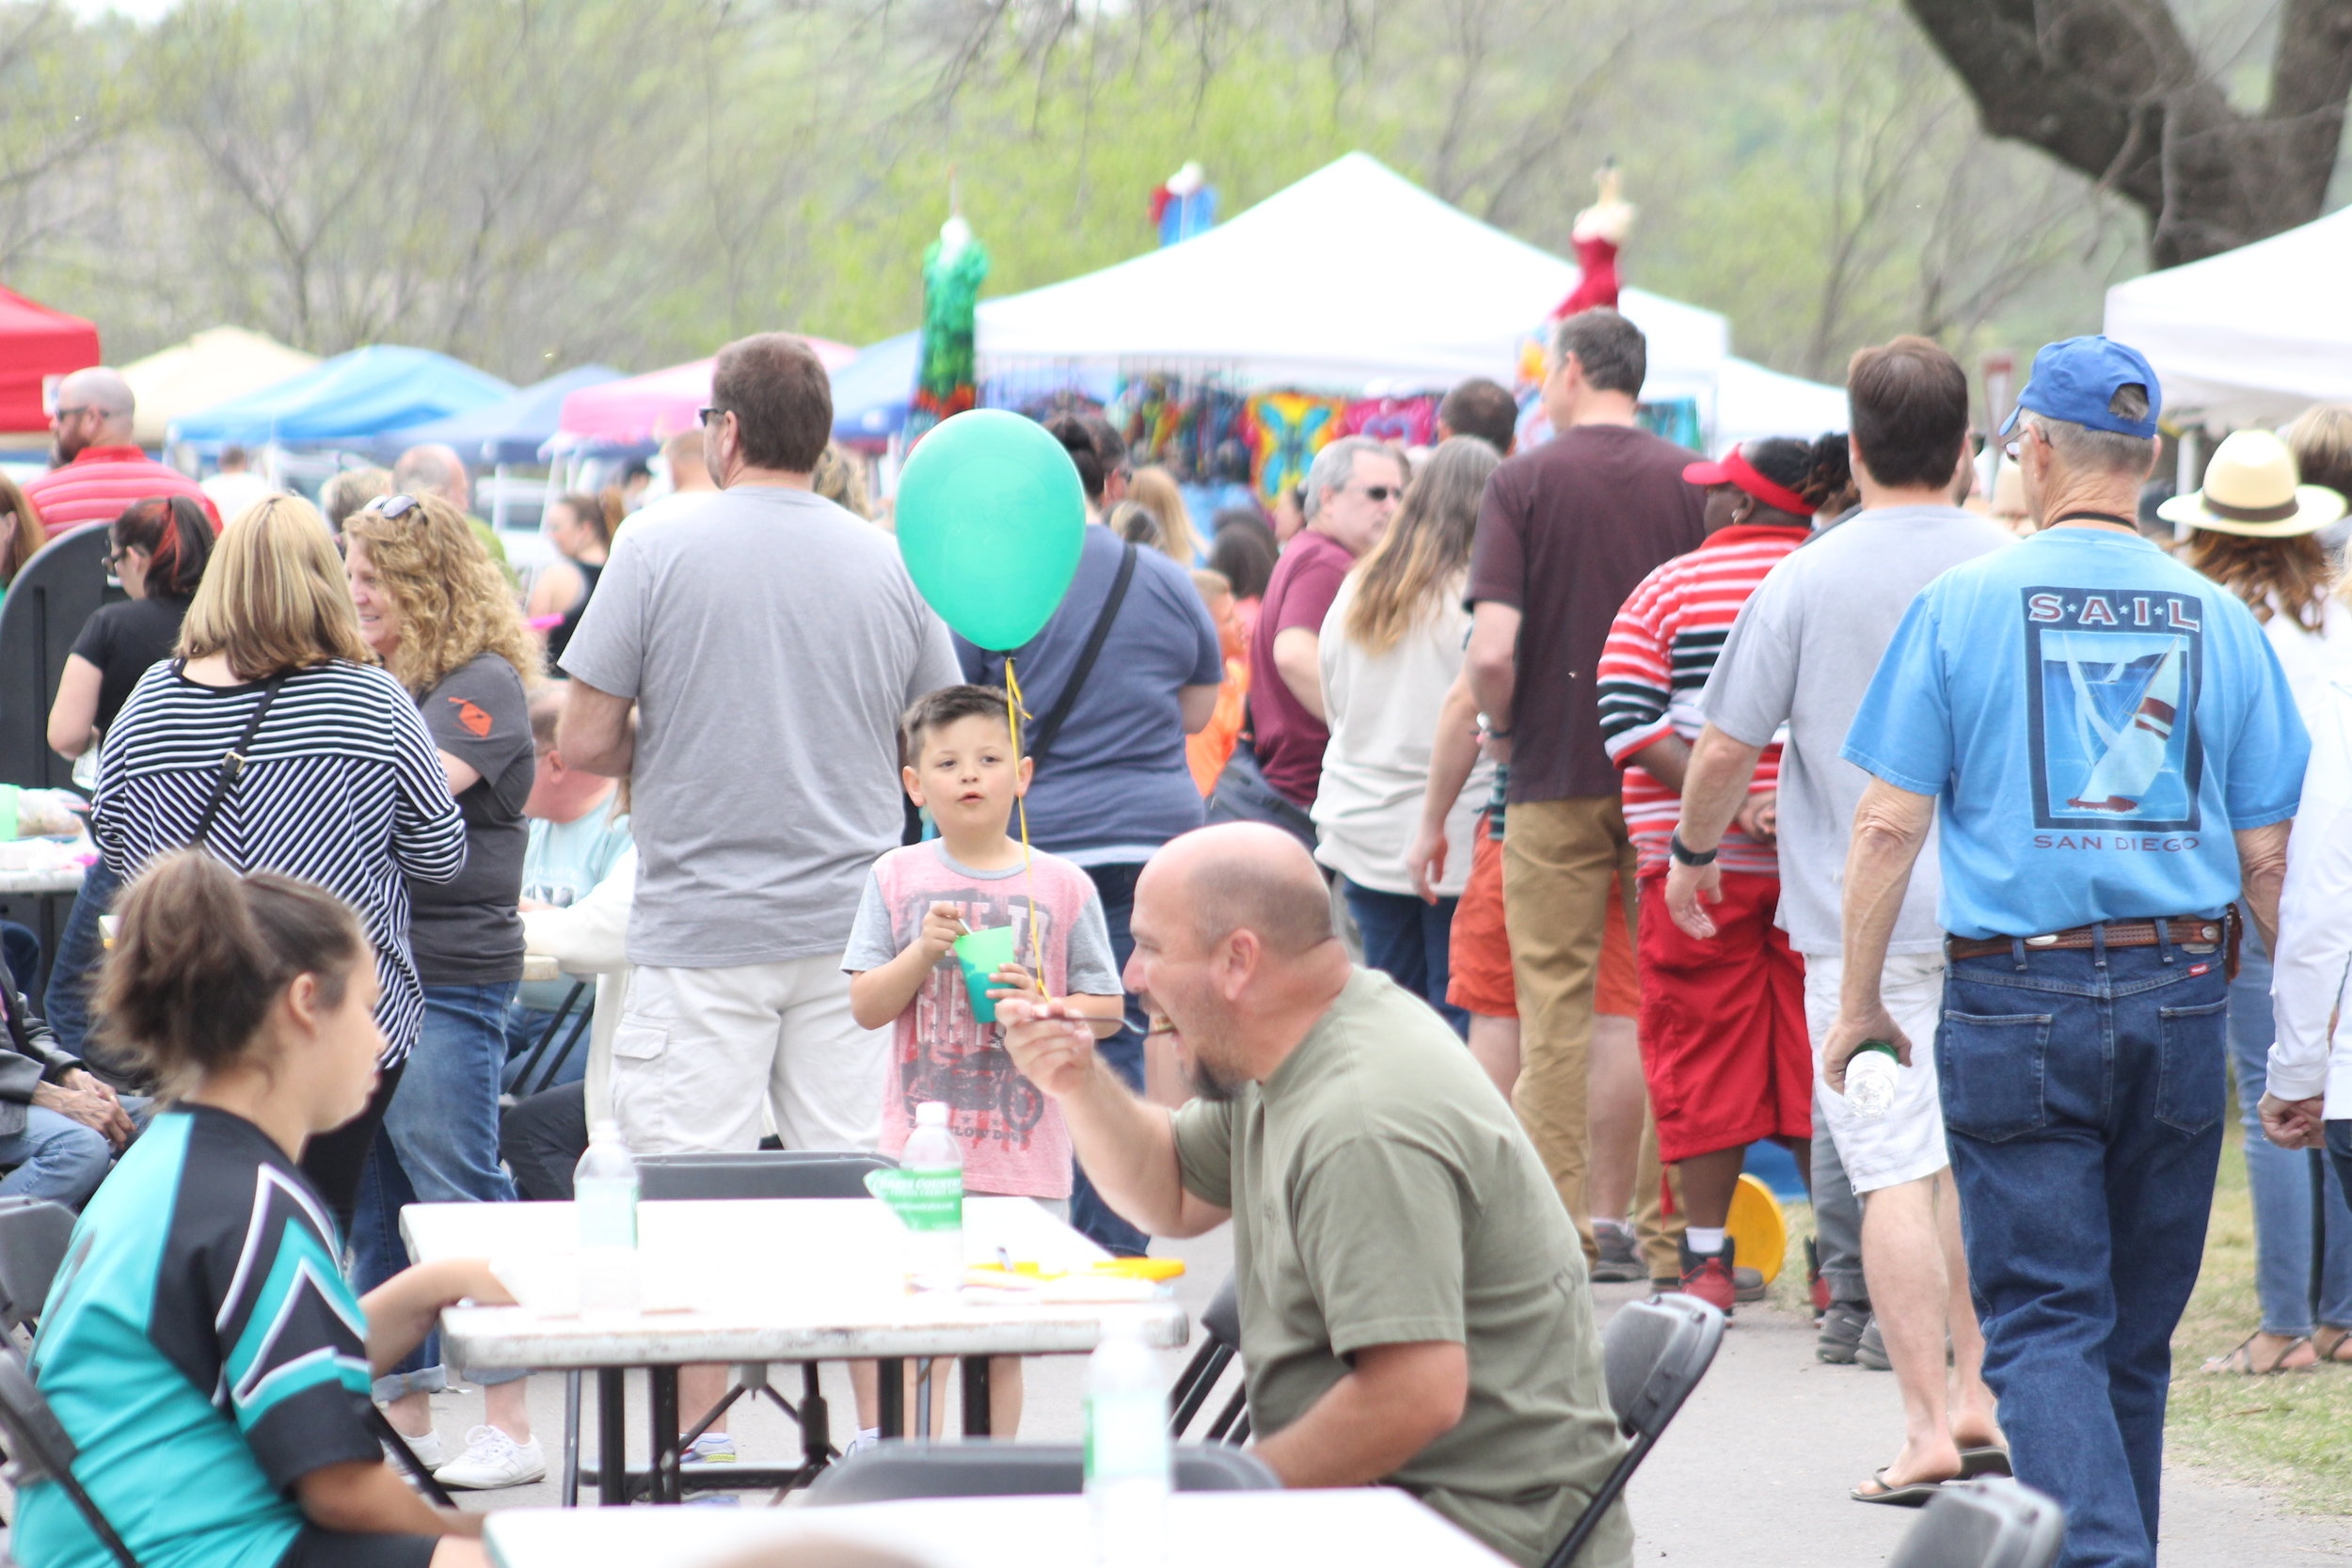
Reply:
x=912 y=963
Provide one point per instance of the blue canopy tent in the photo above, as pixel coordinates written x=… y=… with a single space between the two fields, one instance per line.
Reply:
x=501 y=433
x=347 y=401
x=871 y=392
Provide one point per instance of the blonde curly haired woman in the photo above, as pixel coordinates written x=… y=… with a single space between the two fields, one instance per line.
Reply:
x=436 y=609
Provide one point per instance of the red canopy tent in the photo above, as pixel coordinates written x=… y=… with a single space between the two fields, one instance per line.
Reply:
x=37 y=342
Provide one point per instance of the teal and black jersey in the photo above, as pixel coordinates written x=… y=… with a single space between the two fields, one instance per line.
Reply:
x=203 y=1351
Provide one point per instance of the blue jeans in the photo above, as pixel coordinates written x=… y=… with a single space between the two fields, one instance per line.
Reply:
x=2083 y=1097
x=1089 y=1214
x=55 y=1157
x=66 y=1003
x=1409 y=941
x=439 y=1144
x=2280 y=1179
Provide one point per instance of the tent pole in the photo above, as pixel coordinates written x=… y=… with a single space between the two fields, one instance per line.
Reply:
x=498 y=507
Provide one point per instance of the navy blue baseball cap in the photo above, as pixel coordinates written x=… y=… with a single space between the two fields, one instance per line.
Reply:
x=2076 y=379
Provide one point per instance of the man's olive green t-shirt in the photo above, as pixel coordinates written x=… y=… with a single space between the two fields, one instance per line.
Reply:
x=1382 y=1193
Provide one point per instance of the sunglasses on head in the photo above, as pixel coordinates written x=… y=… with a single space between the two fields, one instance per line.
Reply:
x=393 y=507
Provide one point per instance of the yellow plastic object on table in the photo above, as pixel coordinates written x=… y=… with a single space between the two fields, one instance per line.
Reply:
x=1157 y=1270
x=1758 y=1227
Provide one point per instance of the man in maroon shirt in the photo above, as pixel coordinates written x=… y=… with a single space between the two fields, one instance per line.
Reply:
x=100 y=471
x=1353 y=488
x=1567 y=530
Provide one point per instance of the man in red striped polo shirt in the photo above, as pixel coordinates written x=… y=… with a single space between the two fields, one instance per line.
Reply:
x=1723 y=1041
x=99 y=470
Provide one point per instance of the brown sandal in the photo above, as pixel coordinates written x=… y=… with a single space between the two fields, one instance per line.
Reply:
x=2241 y=1360
x=2332 y=1344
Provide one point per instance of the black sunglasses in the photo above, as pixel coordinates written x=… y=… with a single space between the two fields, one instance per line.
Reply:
x=704 y=416
x=1383 y=492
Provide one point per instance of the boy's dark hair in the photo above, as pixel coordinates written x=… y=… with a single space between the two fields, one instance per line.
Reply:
x=942 y=708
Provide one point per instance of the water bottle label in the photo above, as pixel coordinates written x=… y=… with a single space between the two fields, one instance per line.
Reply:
x=608 y=1213
x=1126 y=1438
x=924 y=1200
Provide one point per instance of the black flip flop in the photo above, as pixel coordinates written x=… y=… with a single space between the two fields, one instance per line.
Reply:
x=1986 y=1460
x=1913 y=1496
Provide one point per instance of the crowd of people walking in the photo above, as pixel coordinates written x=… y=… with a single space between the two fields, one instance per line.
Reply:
x=1449 y=884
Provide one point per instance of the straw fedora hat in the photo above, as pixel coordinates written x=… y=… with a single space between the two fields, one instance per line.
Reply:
x=2251 y=489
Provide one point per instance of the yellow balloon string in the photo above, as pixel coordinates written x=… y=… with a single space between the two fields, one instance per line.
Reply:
x=1015 y=711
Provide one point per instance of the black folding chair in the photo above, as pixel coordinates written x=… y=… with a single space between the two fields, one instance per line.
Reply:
x=524 y=1088
x=894 y=1472
x=40 y=1449
x=1654 y=1352
x=1220 y=1343
x=705 y=1178
x=1992 y=1523
x=34 y=1236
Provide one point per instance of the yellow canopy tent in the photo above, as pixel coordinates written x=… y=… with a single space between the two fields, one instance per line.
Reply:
x=213 y=367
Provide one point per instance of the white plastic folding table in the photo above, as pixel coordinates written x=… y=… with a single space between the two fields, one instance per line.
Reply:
x=762 y=1281
x=1227 y=1530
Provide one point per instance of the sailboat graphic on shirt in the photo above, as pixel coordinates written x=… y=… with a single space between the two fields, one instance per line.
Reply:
x=2135 y=750
x=2112 y=709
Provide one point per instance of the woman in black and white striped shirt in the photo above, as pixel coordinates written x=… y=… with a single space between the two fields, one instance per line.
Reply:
x=342 y=785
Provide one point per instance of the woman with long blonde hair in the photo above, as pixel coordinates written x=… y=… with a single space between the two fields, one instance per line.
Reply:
x=1392 y=648
x=340 y=785
x=436 y=608
x=1155 y=490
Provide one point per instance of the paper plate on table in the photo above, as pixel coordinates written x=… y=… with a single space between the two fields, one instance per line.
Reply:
x=1758 y=1228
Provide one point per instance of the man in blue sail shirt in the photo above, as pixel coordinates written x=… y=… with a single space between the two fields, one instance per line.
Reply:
x=2117 y=758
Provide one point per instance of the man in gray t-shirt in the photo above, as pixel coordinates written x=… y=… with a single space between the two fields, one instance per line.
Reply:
x=769 y=642
x=1800 y=654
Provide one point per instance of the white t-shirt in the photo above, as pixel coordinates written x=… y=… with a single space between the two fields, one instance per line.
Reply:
x=1383 y=715
x=232 y=493
x=2312 y=658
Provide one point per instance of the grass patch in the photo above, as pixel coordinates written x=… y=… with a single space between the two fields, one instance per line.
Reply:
x=2290 y=1432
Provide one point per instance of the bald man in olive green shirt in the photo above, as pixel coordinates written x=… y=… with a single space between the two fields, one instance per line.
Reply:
x=1413 y=1298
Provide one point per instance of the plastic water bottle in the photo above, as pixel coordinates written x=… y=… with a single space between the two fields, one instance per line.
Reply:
x=1127 y=1460
x=604 y=1195
x=1870 y=1079
x=934 y=1207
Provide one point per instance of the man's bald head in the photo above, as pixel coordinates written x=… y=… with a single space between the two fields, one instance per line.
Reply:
x=433 y=469
x=1245 y=875
x=94 y=409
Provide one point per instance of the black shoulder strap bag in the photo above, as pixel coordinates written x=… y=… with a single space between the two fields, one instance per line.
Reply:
x=232 y=764
x=1042 y=737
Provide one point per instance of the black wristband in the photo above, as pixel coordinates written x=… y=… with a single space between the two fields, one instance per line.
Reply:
x=1684 y=855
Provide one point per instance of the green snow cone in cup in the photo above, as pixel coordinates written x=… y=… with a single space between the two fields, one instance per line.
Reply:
x=981 y=954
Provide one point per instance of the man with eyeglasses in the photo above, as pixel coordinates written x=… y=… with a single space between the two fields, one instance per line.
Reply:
x=1353 y=488
x=1566 y=532
x=99 y=470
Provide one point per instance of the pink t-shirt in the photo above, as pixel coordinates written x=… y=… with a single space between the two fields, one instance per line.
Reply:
x=1012 y=1135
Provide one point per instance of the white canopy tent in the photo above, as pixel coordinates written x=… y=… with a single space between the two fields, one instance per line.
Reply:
x=1752 y=403
x=1354 y=279
x=2254 y=333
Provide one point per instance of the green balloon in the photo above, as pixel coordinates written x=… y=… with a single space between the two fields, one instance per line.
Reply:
x=991 y=514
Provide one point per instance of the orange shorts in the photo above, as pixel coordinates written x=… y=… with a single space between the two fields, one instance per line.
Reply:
x=1479 y=980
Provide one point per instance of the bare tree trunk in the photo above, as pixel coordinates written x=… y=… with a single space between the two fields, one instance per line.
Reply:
x=2113 y=89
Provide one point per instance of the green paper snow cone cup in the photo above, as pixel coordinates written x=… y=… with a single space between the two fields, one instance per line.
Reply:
x=982 y=954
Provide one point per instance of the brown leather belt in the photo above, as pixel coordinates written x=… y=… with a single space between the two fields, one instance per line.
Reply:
x=2186 y=930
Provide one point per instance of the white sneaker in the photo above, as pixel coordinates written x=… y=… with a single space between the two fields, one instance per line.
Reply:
x=711 y=1448
x=493 y=1460
x=428 y=1449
